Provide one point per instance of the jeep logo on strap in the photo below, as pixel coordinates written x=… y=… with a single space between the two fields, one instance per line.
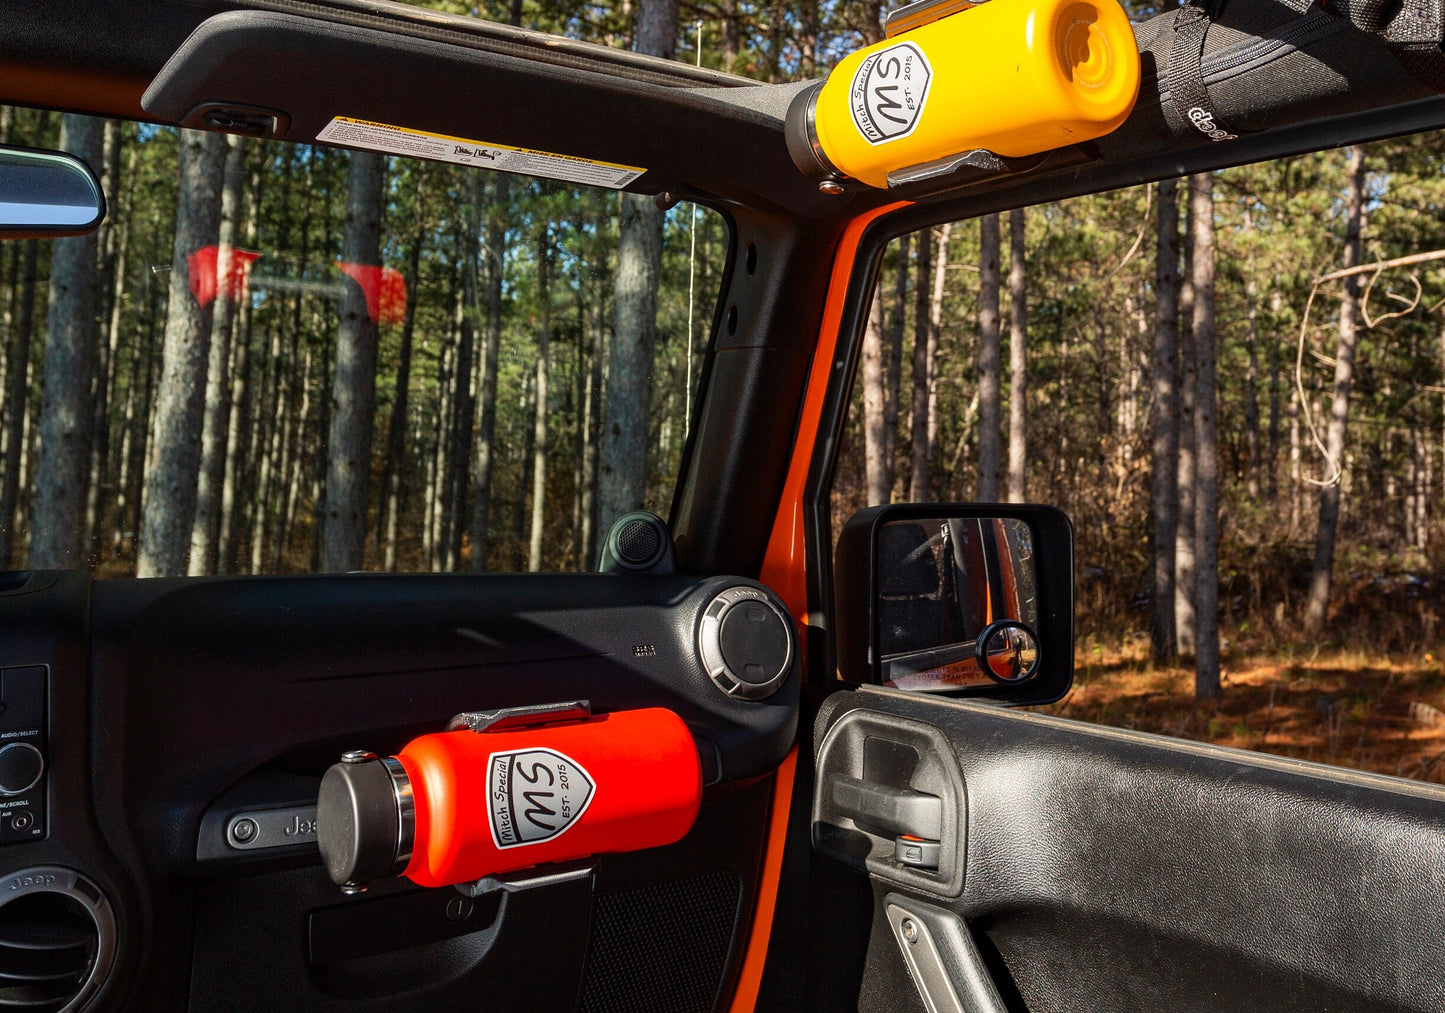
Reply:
x=533 y=795
x=888 y=92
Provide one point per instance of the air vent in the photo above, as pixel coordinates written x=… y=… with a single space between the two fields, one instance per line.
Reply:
x=57 y=939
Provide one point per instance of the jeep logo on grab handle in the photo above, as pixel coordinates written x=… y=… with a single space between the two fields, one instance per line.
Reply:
x=259 y=829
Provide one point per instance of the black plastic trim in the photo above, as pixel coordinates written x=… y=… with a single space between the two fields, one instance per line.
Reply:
x=817 y=522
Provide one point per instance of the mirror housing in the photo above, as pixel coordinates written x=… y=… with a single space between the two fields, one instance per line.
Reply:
x=964 y=599
x=47 y=195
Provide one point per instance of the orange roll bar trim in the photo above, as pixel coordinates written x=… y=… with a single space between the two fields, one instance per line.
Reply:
x=785 y=571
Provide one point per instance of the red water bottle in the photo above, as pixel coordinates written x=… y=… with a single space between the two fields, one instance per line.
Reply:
x=505 y=790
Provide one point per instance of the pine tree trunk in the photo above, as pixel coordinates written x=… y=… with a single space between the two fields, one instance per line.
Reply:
x=290 y=469
x=990 y=451
x=58 y=509
x=731 y=35
x=268 y=440
x=591 y=450
x=1018 y=397
x=396 y=456
x=170 y=484
x=576 y=409
x=460 y=455
x=1271 y=464
x=1317 y=604
x=922 y=370
x=874 y=441
x=1206 y=507
x=143 y=372
x=17 y=390
x=353 y=394
x=495 y=252
x=519 y=506
x=622 y=483
x=1251 y=389
x=935 y=328
x=206 y=528
x=539 y=415
x=872 y=27
x=1185 y=578
x=446 y=421
x=1294 y=460
x=893 y=365
x=432 y=483
x=808 y=40
x=1164 y=488
x=238 y=435
x=115 y=245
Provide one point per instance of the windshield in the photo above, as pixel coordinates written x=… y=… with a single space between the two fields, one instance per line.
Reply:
x=281 y=358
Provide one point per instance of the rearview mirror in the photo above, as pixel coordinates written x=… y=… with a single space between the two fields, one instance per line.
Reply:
x=47 y=195
x=972 y=600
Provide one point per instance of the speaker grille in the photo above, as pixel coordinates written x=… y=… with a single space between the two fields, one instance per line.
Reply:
x=638 y=542
x=662 y=947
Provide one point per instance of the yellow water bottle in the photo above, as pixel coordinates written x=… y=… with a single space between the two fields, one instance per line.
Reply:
x=1013 y=77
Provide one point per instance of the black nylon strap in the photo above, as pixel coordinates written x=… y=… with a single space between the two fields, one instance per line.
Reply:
x=1425 y=63
x=1398 y=22
x=1189 y=109
x=1414 y=30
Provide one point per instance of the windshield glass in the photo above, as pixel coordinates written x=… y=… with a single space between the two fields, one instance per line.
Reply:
x=279 y=358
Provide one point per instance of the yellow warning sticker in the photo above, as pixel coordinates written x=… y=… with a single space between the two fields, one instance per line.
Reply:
x=394 y=140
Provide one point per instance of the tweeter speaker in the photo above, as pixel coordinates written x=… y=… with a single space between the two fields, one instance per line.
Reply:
x=638 y=542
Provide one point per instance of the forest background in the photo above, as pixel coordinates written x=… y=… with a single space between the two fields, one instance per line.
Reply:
x=1227 y=382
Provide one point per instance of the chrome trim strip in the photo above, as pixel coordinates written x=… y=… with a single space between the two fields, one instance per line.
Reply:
x=405 y=813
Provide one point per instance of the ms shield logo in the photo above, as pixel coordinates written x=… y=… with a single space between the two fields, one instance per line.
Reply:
x=888 y=92
x=533 y=795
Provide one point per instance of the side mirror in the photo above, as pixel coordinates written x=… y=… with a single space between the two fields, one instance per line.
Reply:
x=966 y=599
x=47 y=195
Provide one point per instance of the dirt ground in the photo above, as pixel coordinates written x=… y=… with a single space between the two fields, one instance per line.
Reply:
x=1381 y=712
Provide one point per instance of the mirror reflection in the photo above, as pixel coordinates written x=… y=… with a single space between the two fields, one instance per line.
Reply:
x=941 y=582
x=1008 y=650
x=46 y=192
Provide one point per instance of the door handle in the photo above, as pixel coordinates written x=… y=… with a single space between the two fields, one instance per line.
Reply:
x=895 y=811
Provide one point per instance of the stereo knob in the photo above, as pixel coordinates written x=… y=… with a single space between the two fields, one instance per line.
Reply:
x=21 y=765
x=746 y=643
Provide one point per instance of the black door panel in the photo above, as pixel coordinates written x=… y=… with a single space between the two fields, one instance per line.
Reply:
x=1109 y=869
x=178 y=707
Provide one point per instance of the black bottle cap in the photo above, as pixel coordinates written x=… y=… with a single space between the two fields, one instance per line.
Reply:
x=357 y=825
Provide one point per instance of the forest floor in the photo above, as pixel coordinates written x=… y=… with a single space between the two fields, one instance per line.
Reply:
x=1377 y=711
